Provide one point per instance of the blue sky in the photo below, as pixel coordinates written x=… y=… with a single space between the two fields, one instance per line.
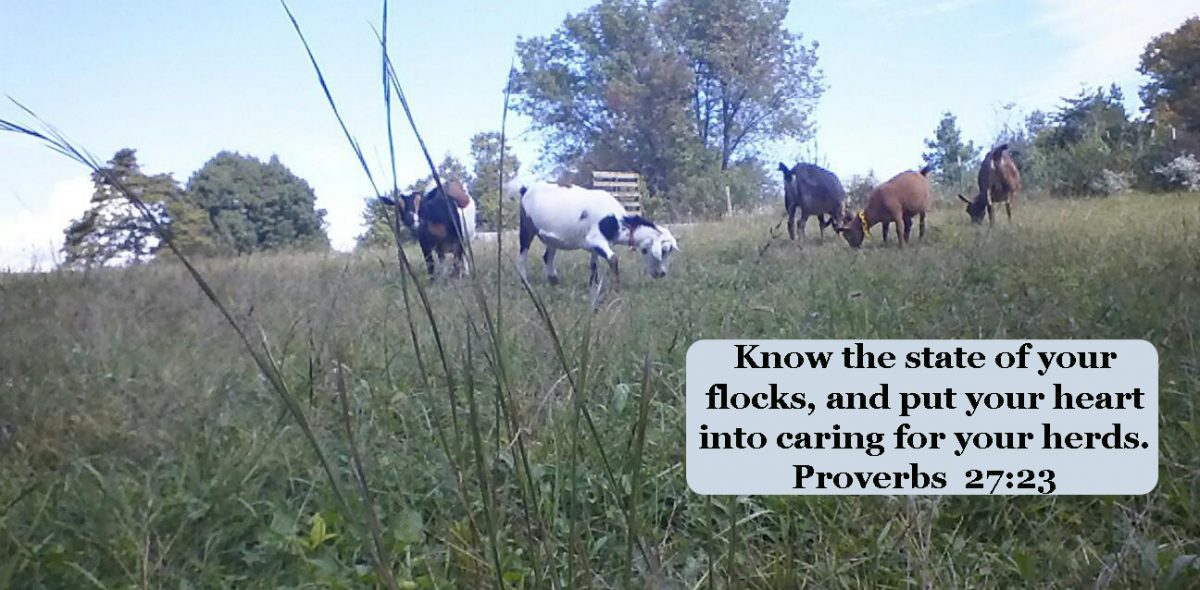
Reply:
x=179 y=82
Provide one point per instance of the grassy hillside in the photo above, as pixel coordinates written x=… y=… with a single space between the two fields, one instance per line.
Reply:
x=150 y=452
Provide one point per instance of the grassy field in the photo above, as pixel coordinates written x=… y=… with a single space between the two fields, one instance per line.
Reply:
x=148 y=450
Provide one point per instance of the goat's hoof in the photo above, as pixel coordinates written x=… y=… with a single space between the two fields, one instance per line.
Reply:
x=553 y=280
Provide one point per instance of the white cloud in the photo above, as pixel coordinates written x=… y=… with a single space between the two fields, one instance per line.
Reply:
x=943 y=6
x=1104 y=38
x=31 y=237
x=890 y=9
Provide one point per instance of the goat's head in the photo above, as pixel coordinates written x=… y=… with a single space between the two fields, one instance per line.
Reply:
x=976 y=208
x=853 y=227
x=410 y=209
x=789 y=183
x=406 y=206
x=655 y=242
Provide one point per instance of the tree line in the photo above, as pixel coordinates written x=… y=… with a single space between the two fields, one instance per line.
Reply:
x=688 y=93
x=238 y=204
x=1091 y=145
x=234 y=204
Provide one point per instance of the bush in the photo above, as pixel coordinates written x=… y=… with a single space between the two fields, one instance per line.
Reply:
x=1182 y=173
x=701 y=195
x=1109 y=183
x=858 y=187
x=1093 y=166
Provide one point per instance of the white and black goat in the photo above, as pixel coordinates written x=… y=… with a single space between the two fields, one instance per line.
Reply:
x=576 y=218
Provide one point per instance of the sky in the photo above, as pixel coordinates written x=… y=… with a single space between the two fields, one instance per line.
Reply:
x=180 y=82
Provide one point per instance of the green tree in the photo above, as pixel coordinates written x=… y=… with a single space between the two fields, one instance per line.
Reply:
x=1100 y=112
x=255 y=206
x=485 y=181
x=1171 y=61
x=1171 y=97
x=606 y=92
x=668 y=90
x=753 y=81
x=947 y=153
x=190 y=228
x=112 y=230
x=1089 y=146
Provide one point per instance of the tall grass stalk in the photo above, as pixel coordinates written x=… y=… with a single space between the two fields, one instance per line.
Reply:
x=500 y=193
x=578 y=389
x=503 y=387
x=261 y=355
x=481 y=464
x=506 y=401
x=382 y=563
x=633 y=470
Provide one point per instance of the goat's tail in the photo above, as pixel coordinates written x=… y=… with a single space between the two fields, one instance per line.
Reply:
x=927 y=169
x=998 y=152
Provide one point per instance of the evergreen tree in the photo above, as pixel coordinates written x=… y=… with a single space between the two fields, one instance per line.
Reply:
x=112 y=230
x=953 y=159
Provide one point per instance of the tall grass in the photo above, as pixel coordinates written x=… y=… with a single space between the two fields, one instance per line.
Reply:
x=143 y=432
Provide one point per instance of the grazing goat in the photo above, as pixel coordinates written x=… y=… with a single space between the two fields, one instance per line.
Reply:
x=999 y=182
x=897 y=201
x=814 y=191
x=567 y=217
x=438 y=220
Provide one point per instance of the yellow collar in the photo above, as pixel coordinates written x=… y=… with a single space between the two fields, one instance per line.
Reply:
x=862 y=216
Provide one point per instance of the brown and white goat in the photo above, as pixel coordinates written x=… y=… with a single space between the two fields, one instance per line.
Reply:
x=897 y=201
x=999 y=182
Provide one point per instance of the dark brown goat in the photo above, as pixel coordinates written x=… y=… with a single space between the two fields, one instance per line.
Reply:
x=442 y=223
x=999 y=182
x=897 y=201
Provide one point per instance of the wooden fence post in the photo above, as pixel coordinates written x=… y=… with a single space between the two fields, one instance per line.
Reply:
x=624 y=186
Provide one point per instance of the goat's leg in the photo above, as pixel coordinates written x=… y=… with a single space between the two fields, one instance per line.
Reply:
x=527 y=232
x=885 y=229
x=802 y=223
x=522 y=258
x=908 y=228
x=594 y=277
x=615 y=269
x=1008 y=210
x=460 y=261
x=427 y=254
x=441 y=257
x=922 y=219
x=551 y=270
x=898 y=221
x=989 y=212
x=822 y=222
x=791 y=222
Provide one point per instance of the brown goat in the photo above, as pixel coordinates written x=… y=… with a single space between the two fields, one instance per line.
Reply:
x=999 y=182
x=897 y=201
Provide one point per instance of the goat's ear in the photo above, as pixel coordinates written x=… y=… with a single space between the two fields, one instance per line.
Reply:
x=963 y=199
x=784 y=169
x=387 y=201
